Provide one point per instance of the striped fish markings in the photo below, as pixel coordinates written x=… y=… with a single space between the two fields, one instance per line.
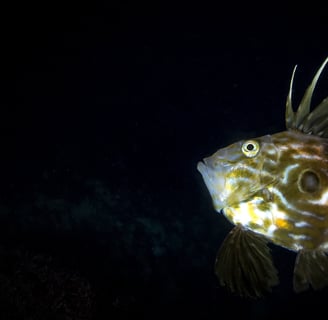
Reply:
x=274 y=189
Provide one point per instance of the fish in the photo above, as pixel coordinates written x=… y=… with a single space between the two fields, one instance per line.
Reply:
x=274 y=191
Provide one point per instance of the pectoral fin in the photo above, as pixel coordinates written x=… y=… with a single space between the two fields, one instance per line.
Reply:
x=311 y=268
x=244 y=264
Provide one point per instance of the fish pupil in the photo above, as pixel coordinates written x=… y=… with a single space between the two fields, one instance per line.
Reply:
x=309 y=182
x=250 y=147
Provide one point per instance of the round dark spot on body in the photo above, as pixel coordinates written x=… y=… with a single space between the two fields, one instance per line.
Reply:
x=309 y=181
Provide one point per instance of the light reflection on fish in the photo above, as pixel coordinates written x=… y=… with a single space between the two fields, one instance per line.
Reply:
x=274 y=189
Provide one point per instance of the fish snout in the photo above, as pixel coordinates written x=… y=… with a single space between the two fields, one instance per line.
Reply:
x=214 y=178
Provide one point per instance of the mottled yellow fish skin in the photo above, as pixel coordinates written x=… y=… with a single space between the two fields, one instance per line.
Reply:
x=301 y=193
x=296 y=215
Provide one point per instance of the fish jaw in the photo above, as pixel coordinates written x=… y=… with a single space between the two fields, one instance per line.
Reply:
x=214 y=181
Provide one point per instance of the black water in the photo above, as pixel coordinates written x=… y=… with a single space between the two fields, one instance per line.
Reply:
x=105 y=110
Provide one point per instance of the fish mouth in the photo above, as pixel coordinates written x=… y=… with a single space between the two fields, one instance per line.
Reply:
x=214 y=181
x=201 y=167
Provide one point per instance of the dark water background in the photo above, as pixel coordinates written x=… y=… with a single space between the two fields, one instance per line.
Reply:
x=105 y=110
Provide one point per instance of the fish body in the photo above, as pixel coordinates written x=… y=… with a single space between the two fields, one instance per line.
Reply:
x=274 y=188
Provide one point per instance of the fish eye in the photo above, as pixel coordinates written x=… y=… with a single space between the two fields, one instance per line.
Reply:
x=250 y=148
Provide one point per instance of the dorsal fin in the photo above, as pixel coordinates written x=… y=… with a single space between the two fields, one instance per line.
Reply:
x=315 y=122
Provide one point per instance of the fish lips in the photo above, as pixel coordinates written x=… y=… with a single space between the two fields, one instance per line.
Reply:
x=214 y=181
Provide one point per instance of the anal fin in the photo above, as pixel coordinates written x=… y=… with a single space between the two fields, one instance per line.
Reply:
x=311 y=268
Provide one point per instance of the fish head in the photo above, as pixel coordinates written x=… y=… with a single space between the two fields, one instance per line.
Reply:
x=237 y=172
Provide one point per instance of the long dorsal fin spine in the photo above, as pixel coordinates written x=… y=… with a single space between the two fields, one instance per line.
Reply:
x=289 y=106
x=303 y=119
x=304 y=108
